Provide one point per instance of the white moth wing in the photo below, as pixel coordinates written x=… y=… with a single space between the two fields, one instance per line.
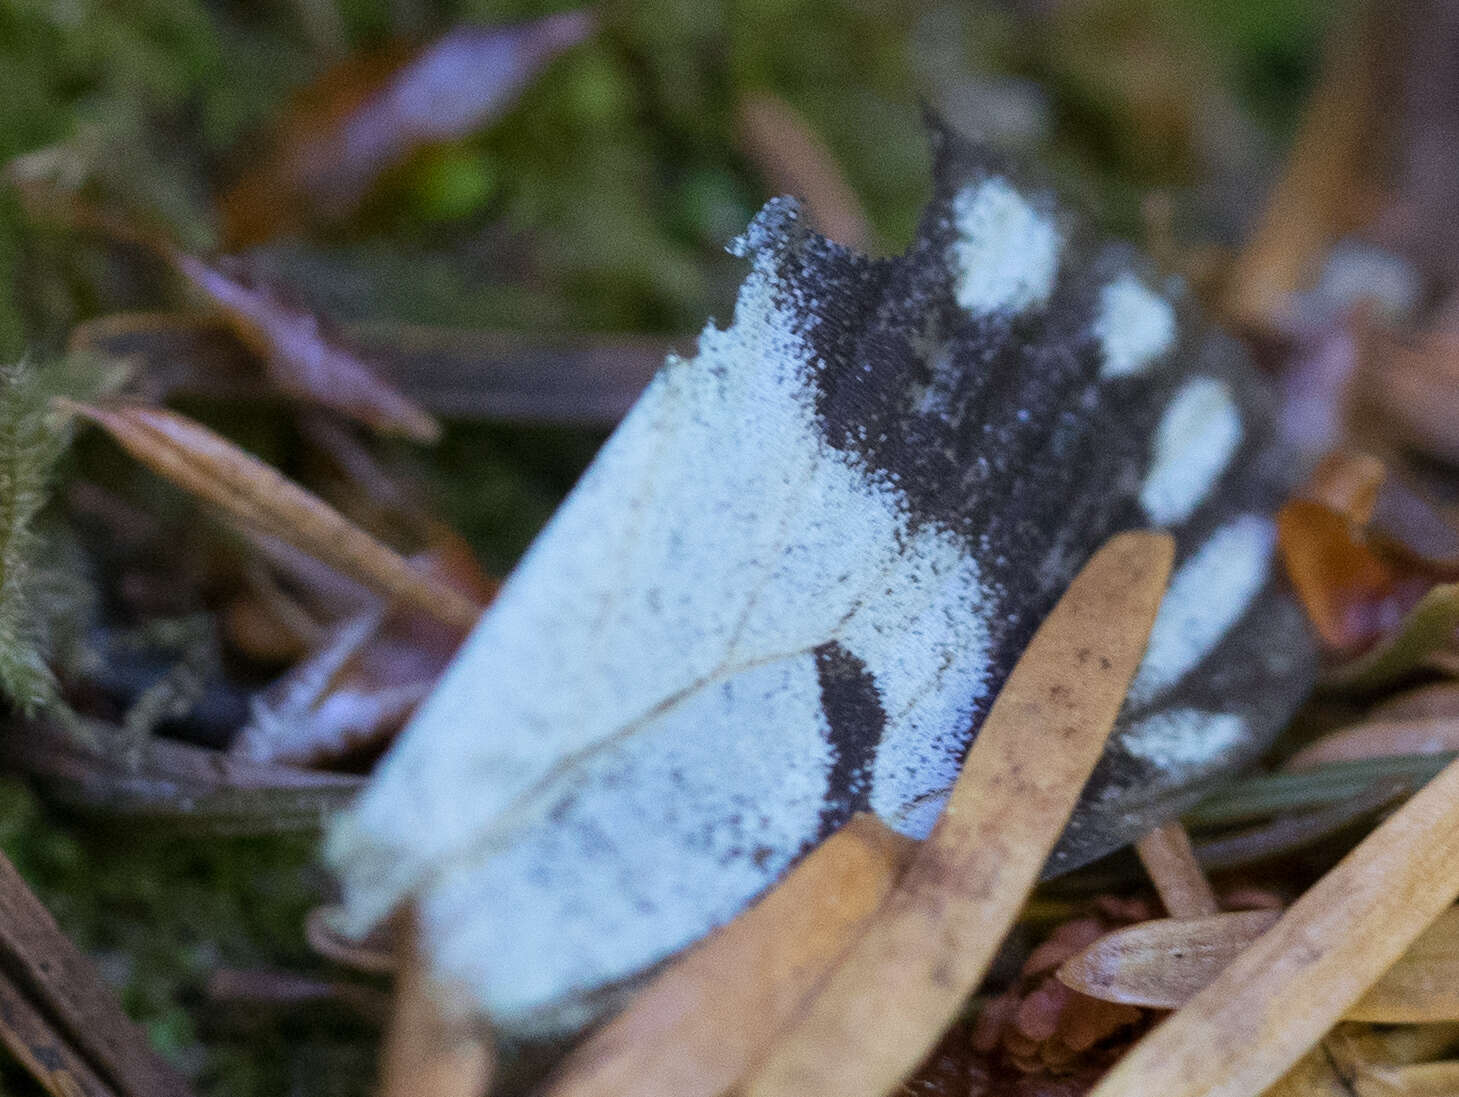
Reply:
x=789 y=584
x=643 y=698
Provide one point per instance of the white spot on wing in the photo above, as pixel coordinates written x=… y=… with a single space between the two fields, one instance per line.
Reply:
x=1184 y=738
x=1196 y=438
x=1135 y=327
x=1006 y=254
x=672 y=601
x=1209 y=593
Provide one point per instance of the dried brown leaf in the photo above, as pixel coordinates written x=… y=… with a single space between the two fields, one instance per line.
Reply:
x=887 y=1003
x=373 y=112
x=698 y=1026
x=1161 y=964
x=249 y=491
x=303 y=356
x=1351 y=594
x=1279 y=997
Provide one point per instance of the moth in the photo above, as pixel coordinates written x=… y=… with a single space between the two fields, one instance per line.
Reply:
x=792 y=581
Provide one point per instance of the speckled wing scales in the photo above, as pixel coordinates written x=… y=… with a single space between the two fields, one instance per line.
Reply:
x=791 y=582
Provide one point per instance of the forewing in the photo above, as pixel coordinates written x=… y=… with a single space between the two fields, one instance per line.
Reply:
x=792 y=581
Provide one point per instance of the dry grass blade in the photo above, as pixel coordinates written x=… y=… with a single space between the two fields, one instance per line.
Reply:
x=1380 y=739
x=52 y=975
x=251 y=492
x=427 y=1054
x=796 y=161
x=1283 y=993
x=884 y=1007
x=1171 y=864
x=1162 y=964
x=697 y=1027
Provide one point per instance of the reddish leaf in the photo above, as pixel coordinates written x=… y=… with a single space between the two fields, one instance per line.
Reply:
x=1352 y=596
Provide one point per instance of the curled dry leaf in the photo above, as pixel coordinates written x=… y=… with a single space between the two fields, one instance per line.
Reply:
x=884 y=1007
x=372 y=113
x=1375 y=565
x=1352 y=595
x=249 y=491
x=302 y=355
x=364 y=677
x=704 y=1021
x=795 y=161
x=576 y=380
x=1162 y=964
x=1287 y=989
x=1038 y=1025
